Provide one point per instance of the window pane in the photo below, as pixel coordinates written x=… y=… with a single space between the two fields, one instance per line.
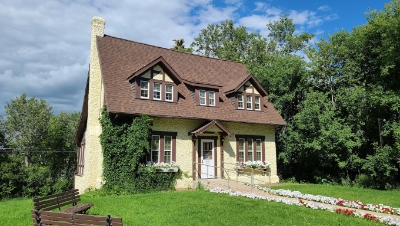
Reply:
x=167 y=143
x=211 y=97
x=250 y=150
x=248 y=103
x=157 y=91
x=240 y=101
x=167 y=156
x=155 y=143
x=241 y=150
x=168 y=92
x=258 y=149
x=257 y=103
x=144 y=89
x=154 y=156
x=202 y=97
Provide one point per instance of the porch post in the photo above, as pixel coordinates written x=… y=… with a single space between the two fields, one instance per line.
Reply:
x=193 y=157
x=221 y=144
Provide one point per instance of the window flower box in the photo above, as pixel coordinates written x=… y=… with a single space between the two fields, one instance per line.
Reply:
x=162 y=167
x=167 y=170
x=256 y=167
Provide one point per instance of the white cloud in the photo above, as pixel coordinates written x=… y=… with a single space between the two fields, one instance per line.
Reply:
x=45 y=47
x=324 y=8
x=332 y=17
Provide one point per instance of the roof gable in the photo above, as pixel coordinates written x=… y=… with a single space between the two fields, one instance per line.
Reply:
x=245 y=83
x=156 y=65
x=200 y=130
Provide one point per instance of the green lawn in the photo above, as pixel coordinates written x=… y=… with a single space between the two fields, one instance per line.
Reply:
x=189 y=208
x=372 y=196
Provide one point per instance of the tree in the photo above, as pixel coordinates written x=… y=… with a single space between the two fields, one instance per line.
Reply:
x=26 y=127
x=180 y=46
x=225 y=41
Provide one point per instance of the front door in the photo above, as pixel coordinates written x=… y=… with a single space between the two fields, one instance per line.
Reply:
x=207 y=157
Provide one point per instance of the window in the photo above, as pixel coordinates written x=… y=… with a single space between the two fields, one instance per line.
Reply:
x=258 y=150
x=202 y=97
x=162 y=147
x=144 y=89
x=241 y=150
x=155 y=148
x=167 y=149
x=257 y=103
x=81 y=156
x=250 y=148
x=249 y=104
x=168 y=92
x=240 y=101
x=157 y=91
x=211 y=98
x=207 y=97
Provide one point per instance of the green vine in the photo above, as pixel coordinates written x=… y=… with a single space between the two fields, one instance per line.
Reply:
x=125 y=142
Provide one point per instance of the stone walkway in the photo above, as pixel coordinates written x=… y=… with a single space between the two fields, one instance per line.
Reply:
x=238 y=186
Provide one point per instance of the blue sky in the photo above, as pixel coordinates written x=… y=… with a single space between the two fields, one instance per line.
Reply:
x=44 y=45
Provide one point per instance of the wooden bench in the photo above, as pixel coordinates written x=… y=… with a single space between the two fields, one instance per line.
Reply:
x=59 y=200
x=68 y=219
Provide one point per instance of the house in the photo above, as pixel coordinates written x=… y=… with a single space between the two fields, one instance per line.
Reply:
x=204 y=110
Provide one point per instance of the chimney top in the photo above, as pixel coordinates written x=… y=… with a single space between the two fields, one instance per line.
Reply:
x=98 y=26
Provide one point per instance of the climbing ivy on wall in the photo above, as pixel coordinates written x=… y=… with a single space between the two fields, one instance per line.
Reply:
x=125 y=142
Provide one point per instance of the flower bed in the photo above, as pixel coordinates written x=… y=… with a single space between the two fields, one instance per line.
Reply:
x=330 y=200
x=386 y=220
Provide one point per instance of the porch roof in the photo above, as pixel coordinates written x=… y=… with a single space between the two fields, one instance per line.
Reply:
x=200 y=130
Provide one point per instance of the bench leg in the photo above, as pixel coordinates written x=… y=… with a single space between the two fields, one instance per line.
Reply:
x=38 y=218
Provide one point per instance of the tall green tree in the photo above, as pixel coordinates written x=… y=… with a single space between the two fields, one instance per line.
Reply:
x=26 y=126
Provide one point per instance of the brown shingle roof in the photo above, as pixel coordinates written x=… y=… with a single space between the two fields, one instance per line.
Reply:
x=121 y=58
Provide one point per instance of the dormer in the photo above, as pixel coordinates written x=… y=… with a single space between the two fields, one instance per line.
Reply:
x=156 y=81
x=206 y=95
x=248 y=95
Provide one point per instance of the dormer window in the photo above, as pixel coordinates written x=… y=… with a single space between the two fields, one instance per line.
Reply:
x=240 y=101
x=157 y=91
x=202 y=97
x=207 y=97
x=257 y=103
x=249 y=104
x=169 y=92
x=144 y=89
x=155 y=84
x=248 y=97
x=211 y=98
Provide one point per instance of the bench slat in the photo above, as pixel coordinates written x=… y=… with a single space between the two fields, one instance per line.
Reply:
x=57 y=202
x=55 y=195
x=83 y=219
x=56 y=218
x=77 y=208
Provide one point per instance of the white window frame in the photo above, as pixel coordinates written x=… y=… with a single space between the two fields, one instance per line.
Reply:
x=167 y=150
x=242 y=152
x=141 y=89
x=200 y=97
x=172 y=92
x=240 y=101
x=258 y=150
x=153 y=150
x=250 y=141
x=257 y=105
x=159 y=91
x=249 y=102
x=211 y=98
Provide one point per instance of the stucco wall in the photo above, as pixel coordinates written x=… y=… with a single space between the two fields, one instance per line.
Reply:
x=92 y=175
x=184 y=146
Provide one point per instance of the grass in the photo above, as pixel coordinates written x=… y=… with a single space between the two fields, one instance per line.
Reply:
x=389 y=197
x=189 y=208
